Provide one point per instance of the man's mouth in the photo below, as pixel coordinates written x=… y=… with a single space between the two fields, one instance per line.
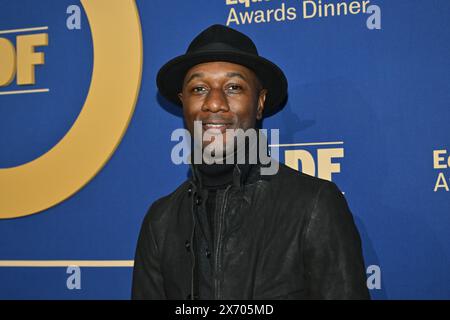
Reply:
x=216 y=126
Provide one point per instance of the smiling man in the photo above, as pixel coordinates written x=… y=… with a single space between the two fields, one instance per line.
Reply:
x=223 y=96
x=229 y=231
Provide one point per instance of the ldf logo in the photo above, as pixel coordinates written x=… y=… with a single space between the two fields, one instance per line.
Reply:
x=21 y=61
x=104 y=117
x=319 y=163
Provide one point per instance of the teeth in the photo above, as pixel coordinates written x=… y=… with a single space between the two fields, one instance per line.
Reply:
x=215 y=125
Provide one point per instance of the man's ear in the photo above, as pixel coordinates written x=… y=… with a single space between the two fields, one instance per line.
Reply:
x=261 y=100
x=180 y=96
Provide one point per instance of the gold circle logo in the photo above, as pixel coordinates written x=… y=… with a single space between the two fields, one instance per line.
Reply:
x=101 y=124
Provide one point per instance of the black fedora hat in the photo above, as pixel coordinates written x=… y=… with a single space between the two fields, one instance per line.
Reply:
x=221 y=43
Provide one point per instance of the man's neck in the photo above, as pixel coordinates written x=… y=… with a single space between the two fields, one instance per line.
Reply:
x=216 y=175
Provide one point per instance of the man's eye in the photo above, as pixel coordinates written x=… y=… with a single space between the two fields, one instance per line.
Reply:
x=198 y=89
x=234 y=87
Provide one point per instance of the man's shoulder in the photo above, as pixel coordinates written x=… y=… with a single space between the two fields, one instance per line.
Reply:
x=289 y=178
x=165 y=203
x=290 y=183
x=309 y=187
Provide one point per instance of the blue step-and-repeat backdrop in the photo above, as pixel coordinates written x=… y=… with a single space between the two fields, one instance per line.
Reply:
x=85 y=139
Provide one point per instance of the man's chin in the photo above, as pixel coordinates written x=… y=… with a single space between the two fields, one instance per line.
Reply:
x=218 y=156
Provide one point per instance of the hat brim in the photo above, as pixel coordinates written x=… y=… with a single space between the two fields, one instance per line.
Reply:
x=171 y=75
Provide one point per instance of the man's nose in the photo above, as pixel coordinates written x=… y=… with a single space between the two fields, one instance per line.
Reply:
x=215 y=101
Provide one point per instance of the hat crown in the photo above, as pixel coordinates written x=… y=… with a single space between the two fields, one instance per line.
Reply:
x=218 y=37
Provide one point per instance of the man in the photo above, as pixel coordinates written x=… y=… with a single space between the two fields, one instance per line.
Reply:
x=230 y=232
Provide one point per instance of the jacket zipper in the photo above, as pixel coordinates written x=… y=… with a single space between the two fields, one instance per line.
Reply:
x=219 y=245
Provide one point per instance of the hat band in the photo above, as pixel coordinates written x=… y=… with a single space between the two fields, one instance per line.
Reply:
x=219 y=46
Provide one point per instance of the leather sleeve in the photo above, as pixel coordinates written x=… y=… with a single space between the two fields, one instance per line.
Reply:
x=333 y=257
x=147 y=277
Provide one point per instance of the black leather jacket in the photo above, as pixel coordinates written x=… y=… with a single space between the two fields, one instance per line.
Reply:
x=286 y=236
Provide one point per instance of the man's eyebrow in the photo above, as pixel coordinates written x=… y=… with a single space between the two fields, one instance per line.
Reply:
x=229 y=75
x=195 y=75
x=236 y=74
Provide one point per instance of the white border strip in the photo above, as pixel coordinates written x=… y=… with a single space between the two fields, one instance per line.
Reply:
x=66 y=263
x=23 y=30
x=24 y=91
x=306 y=144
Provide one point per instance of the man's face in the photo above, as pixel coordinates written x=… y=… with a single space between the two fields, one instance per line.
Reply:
x=222 y=95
